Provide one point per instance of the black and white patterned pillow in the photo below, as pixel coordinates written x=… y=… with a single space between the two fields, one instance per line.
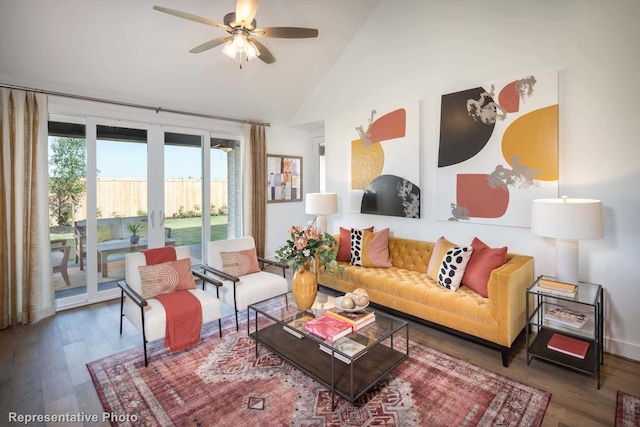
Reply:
x=356 y=247
x=453 y=265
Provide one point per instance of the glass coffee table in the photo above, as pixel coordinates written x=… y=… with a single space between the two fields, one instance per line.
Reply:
x=380 y=346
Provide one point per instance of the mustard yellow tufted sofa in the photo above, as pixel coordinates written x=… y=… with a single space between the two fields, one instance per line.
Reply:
x=406 y=288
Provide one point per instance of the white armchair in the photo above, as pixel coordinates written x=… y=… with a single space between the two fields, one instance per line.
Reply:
x=148 y=315
x=240 y=292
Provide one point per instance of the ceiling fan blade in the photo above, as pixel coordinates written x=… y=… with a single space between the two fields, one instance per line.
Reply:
x=246 y=10
x=210 y=44
x=265 y=55
x=286 y=32
x=190 y=17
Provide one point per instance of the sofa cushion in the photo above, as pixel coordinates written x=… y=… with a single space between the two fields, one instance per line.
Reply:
x=166 y=277
x=399 y=284
x=239 y=263
x=344 y=244
x=103 y=232
x=482 y=262
x=439 y=250
x=453 y=267
x=370 y=249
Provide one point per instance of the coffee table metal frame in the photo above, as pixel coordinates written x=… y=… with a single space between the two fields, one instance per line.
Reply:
x=381 y=354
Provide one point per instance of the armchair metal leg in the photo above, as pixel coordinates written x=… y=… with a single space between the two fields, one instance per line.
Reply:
x=144 y=339
x=235 y=306
x=121 y=309
x=220 y=327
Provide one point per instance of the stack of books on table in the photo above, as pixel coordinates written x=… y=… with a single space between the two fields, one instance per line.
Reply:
x=328 y=328
x=345 y=345
x=356 y=319
x=297 y=324
x=567 y=345
x=551 y=287
x=566 y=317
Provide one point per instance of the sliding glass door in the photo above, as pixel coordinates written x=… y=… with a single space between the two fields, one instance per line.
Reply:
x=137 y=186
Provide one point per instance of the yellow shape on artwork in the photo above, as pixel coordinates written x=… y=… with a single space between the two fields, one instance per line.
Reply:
x=532 y=141
x=366 y=163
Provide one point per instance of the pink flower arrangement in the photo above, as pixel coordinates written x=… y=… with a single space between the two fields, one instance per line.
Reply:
x=306 y=244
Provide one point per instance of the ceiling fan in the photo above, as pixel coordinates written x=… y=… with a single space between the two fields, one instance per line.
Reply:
x=242 y=30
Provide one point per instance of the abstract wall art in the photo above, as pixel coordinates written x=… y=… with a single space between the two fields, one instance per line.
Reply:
x=385 y=162
x=284 y=181
x=498 y=150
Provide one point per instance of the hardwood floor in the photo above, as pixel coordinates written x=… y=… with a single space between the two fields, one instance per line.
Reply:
x=42 y=368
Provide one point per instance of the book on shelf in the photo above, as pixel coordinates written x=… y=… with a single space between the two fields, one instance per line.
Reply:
x=296 y=325
x=552 y=284
x=328 y=328
x=567 y=345
x=356 y=319
x=557 y=292
x=564 y=316
x=346 y=346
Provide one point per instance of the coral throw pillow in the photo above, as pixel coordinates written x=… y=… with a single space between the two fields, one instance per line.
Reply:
x=370 y=249
x=239 y=263
x=344 y=244
x=166 y=277
x=483 y=261
x=439 y=250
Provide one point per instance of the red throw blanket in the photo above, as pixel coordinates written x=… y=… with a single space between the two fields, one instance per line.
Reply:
x=184 y=320
x=159 y=255
x=183 y=309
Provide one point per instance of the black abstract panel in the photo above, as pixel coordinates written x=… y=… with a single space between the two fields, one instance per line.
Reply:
x=392 y=196
x=463 y=135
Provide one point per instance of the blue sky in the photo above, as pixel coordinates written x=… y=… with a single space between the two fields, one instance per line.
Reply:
x=123 y=160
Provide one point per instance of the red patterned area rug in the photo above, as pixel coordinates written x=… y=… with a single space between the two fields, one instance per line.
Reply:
x=627 y=410
x=221 y=383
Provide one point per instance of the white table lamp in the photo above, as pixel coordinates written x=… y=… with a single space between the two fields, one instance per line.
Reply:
x=321 y=205
x=567 y=221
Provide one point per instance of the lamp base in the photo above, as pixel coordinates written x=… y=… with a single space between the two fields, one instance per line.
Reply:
x=321 y=223
x=567 y=256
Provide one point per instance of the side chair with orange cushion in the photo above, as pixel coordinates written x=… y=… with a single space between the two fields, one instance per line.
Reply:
x=234 y=262
x=160 y=298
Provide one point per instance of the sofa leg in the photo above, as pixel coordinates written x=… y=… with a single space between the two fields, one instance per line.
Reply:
x=505 y=356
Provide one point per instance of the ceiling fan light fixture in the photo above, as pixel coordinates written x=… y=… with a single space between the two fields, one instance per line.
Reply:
x=230 y=49
x=240 y=41
x=251 y=50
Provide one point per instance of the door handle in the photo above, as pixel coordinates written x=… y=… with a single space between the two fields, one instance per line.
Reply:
x=161 y=218
x=153 y=219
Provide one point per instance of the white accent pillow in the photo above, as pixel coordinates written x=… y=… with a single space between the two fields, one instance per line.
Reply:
x=452 y=267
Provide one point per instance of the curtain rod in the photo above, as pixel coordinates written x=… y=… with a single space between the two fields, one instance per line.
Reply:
x=127 y=104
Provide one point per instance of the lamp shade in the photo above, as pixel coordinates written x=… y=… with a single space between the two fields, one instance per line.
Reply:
x=569 y=219
x=321 y=203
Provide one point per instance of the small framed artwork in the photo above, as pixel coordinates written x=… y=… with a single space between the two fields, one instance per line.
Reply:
x=284 y=180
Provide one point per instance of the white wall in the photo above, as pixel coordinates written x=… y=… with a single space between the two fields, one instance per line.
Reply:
x=281 y=216
x=419 y=49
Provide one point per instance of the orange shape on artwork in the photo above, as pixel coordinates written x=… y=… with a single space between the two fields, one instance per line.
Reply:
x=366 y=163
x=533 y=141
x=509 y=99
x=474 y=193
x=391 y=125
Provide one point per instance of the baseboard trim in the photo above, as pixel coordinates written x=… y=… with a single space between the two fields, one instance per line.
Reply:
x=624 y=349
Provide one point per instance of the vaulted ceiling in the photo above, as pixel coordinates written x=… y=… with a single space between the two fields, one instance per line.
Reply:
x=124 y=50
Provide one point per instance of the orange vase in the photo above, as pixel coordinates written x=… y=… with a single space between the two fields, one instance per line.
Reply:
x=305 y=288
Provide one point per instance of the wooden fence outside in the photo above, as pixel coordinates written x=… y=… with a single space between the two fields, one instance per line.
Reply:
x=128 y=197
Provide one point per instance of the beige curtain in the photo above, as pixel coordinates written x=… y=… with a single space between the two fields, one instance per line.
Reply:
x=26 y=291
x=254 y=203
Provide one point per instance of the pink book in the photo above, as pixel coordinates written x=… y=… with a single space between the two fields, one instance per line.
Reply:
x=567 y=345
x=328 y=328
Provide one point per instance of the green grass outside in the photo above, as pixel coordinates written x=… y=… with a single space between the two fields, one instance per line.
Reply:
x=186 y=231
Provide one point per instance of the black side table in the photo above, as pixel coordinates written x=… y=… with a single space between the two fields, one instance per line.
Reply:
x=589 y=302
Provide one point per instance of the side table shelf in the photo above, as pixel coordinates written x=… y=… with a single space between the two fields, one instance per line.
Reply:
x=589 y=301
